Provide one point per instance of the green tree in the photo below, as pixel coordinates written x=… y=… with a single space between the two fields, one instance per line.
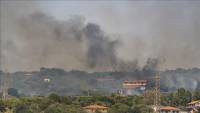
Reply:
x=184 y=97
x=196 y=95
x=66 y=100
x=119 y=108
x=35 y=108
x=141 y=108
x=22 y=109
x=43 y=103
x=179 y=98
x=148 y=97
x=55 y=97
x=56 y=108
x=140 y=104
x=61 y=108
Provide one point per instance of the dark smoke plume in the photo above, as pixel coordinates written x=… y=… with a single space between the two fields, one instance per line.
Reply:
x=51 y=40
x=148 y=30
x=31 y=38
x=101 y=51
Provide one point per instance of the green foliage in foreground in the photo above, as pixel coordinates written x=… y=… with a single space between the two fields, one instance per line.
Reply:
x=58 y=104
x=116 y=103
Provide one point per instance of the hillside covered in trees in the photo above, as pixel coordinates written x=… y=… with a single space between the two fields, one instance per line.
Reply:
x=53 y=80
x=115 y=103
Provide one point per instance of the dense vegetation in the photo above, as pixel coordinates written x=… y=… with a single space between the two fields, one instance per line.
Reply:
x=116 y=103
x=75 y=82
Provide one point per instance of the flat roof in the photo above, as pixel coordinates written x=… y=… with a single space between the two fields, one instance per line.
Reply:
x=194 y=102
x=169 y=108
x=95 y=107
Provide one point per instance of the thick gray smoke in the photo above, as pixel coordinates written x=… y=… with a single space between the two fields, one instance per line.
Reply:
x=32 y=38
x=101 y=51
x=181 y=78
x=50 y=40
x=42 y=40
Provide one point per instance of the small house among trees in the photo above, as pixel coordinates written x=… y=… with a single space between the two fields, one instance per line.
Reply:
x=169 y=109
x=95 y=108
x=194 y=106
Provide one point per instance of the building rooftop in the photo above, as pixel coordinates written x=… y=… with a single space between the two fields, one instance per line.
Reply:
x=136 y=81
x=169 y=108
x=194 y=102
x=95 y=107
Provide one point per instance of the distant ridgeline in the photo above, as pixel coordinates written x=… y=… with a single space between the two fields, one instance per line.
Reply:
x=52 y=80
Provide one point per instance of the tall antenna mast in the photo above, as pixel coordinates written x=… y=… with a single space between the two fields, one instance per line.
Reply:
x=157 y=92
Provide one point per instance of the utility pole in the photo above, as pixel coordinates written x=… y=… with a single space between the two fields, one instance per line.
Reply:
x=157 y=92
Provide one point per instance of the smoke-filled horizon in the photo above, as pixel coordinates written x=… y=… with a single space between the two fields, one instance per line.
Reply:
x=100 y=36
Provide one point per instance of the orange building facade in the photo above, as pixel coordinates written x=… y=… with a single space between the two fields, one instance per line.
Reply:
x=94 y=108
x=169 y=109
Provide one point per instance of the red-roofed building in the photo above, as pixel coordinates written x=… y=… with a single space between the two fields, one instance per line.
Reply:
x=94 y=108
x=134 y=87
x=134 y=84
x=169 y=109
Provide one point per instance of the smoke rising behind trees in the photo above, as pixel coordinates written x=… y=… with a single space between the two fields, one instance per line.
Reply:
x=102 y=38
x=105 y=36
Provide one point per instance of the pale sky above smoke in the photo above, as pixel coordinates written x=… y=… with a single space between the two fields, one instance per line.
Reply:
x=166 y=30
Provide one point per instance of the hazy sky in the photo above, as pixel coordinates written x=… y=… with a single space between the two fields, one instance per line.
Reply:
x=166 y=30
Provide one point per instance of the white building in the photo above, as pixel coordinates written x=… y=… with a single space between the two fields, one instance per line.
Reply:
x=47 y=80
x=194 y=106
